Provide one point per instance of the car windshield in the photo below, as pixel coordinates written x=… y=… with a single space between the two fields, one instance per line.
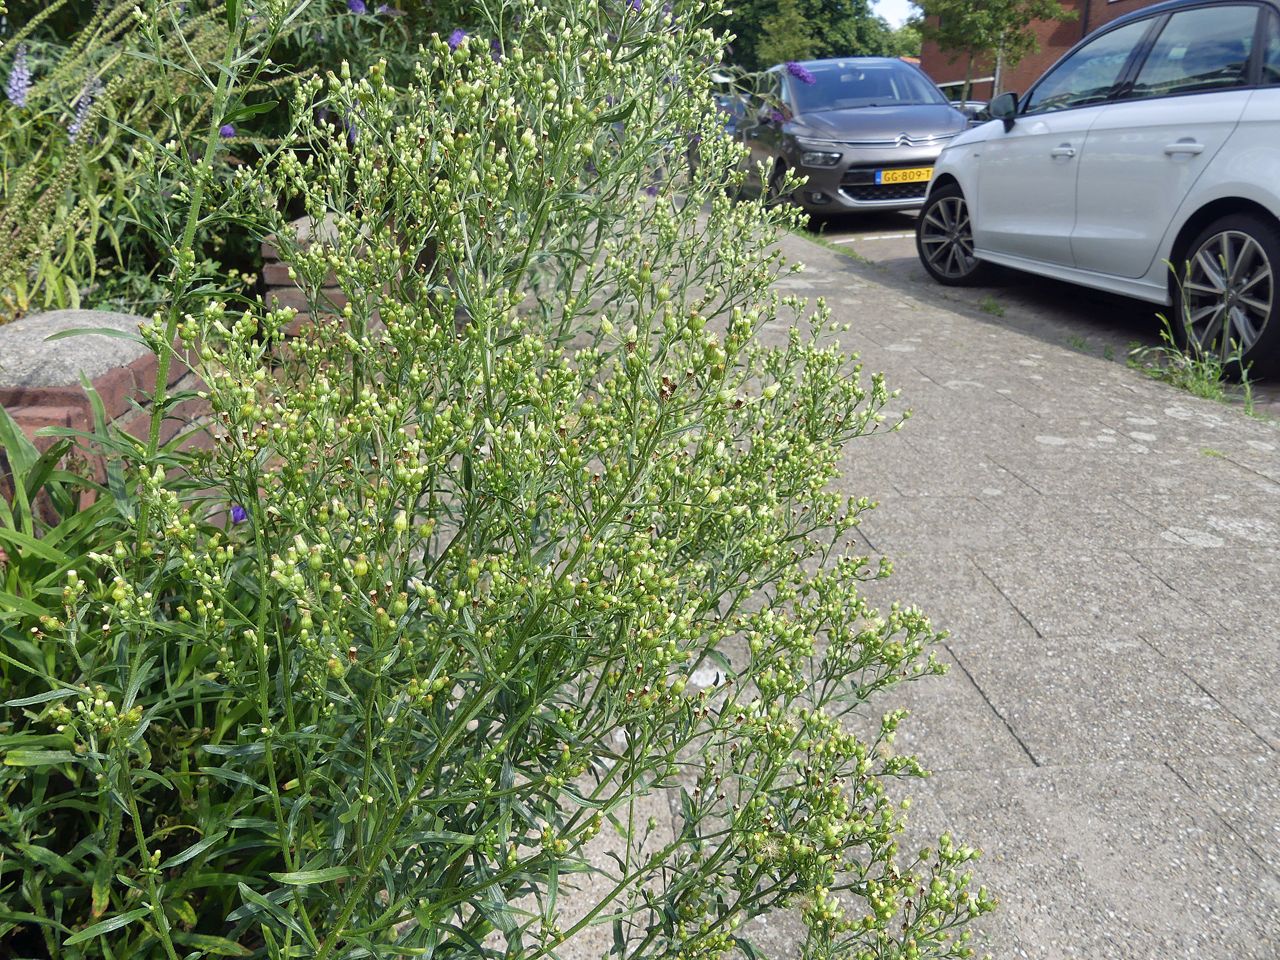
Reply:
x=848 y=85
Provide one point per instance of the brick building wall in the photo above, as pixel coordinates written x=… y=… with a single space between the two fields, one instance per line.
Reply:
x=1055 y=39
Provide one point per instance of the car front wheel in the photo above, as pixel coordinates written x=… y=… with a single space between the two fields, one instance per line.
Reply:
x=944 y=239
x=1226 y=301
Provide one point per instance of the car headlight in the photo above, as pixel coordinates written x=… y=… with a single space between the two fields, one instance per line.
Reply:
x=820 y=158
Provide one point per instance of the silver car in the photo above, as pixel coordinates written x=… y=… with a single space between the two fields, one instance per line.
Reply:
x=1146 y=163
x=864 y=131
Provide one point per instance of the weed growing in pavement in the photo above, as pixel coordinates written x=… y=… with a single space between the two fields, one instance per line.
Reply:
x=1202 y=373
x=1078 y=343
x=1108 y=352
x=844 y=249
x=1213 y=372
x=989 y=304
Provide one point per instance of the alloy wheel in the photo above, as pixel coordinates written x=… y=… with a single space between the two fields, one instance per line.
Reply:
x=946 y=238
x=1229 y=293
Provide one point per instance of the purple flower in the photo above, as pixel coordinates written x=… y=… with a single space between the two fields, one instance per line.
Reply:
x=19 y=84
x=776 y=117
x=83 y=105
x=635 y=5
x=495 y=48
x=19 y=78
x=800 y=73
x=651 y=189
x=357 y=7
x=456 y=38
x=227 y=131
x=238 y=513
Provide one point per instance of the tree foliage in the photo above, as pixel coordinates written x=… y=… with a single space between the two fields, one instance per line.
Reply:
x=830 y=28
x=906 y=40
x=786 y=35
x=986 y=31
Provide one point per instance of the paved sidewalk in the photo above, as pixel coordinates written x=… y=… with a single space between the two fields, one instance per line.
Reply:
x=1105 y=551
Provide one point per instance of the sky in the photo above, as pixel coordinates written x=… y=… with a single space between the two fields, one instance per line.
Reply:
x=895 y=11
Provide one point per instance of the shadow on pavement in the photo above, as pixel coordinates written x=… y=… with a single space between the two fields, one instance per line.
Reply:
x=881 y=247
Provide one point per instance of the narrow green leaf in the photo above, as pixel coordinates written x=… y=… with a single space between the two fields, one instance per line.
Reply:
x=37 y=758
x=98 y=332
x=106 y=926
x=262 y=903
x=247 y=110
x=303 y=878
x=40 y=698
x=20 y=451
x=218 y=946
x=197 y=848
x=34 y=546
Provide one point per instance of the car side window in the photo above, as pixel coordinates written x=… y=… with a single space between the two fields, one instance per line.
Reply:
x=1271 y=55
x=1090 y=74
x=1199 y=50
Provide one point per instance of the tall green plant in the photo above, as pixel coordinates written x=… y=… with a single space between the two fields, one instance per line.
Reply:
x=534 y=538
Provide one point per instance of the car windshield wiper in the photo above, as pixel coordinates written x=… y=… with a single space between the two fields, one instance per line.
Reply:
x=863 y=106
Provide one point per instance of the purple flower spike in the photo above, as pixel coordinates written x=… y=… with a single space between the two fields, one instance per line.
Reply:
x=651 y=189
x=83 y=105
x=456 y=38
x=635 y=5
x=357 y=7
x=227 y=131
x=495 y=48
x=19 y=84
x=238 y=513
x=800 y=73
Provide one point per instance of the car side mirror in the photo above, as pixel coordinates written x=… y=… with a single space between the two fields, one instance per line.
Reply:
x=1005 y=107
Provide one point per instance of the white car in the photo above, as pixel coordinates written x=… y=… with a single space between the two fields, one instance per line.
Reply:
x=1146 y=162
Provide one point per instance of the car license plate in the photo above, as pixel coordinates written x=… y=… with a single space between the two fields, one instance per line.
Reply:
x=914 y=175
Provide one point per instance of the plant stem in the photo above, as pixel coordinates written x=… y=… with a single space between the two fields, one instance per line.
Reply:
x=153 y=892
x=182 y=267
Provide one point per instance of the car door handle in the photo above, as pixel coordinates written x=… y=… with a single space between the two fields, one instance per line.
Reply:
x=1063 y=151
x=1191 y=147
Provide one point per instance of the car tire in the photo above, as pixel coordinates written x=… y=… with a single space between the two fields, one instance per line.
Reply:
x=944 y=239
x=1227 y=275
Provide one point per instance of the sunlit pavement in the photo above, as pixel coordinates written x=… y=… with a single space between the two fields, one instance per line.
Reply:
x=1104 y=550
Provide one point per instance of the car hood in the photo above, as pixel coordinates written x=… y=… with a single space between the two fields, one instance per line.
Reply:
x=917 y=121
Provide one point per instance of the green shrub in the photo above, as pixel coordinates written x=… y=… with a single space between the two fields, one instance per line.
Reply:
x=533 y=539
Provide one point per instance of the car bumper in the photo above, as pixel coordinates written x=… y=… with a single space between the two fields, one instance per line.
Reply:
x=851 y=184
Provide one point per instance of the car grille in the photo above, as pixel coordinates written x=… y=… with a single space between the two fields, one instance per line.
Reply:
x=859 y=183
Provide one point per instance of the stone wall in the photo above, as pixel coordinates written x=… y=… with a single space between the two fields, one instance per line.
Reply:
x=40 y=379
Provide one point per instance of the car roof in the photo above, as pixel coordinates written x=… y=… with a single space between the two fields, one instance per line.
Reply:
x=868 y=61
x=1170 y=5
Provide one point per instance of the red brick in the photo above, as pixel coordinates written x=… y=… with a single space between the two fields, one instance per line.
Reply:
x=332 y=300
x=1055 y=37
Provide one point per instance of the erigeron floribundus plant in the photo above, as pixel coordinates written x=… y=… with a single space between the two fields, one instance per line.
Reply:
x=538 y=533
